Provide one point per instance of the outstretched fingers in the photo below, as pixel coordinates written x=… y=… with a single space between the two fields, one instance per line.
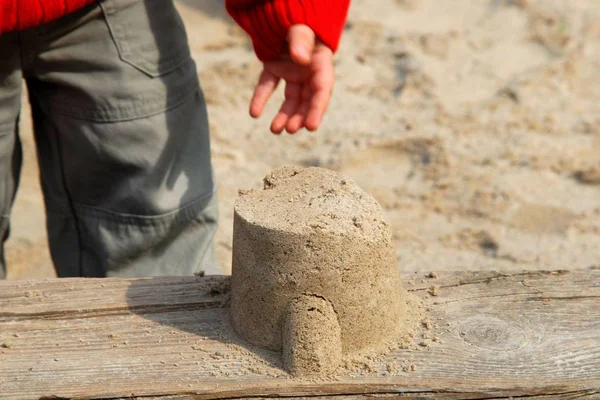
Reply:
x=266 y=86
x=297 y=121
x=308 y=72
x=293 y=97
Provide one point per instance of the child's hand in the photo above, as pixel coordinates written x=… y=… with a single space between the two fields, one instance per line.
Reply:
x=309 y=76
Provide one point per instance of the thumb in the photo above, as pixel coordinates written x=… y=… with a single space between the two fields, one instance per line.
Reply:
x=301 y=43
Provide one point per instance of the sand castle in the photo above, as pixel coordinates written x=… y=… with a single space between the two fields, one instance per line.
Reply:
x=314 y=271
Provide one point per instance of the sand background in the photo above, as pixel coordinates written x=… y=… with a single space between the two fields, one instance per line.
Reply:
x=475 y=124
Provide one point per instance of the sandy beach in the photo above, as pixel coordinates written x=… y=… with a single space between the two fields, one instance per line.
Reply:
x=474 y=123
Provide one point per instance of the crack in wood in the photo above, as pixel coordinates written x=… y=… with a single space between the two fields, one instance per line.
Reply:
x=447 y=394
x=111 y=312
x=547 y=298
x=504 y=295
x=494 y=278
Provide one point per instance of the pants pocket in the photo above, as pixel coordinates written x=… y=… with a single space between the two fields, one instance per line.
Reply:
x=149 y=34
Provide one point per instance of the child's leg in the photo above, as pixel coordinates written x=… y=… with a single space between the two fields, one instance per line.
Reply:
x=122 y=134
x=10 y=146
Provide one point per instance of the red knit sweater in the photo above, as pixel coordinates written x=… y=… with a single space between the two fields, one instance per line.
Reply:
x=22 y=14
x=266 y=21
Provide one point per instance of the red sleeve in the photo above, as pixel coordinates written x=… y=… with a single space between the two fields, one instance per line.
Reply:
x=23 y=14
x=8 y=15
x=268 y=21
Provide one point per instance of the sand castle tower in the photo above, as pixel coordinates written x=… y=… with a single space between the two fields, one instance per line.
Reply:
x=314 y=269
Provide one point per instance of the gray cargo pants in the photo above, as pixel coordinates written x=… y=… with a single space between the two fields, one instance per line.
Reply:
x=122 y=141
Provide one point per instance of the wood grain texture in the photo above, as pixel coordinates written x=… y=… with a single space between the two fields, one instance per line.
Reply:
x=533 y=335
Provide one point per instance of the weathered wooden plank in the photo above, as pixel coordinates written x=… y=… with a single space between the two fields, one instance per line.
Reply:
x=530 y=334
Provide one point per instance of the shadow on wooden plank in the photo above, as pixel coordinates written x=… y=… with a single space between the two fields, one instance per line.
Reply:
x=203 y=311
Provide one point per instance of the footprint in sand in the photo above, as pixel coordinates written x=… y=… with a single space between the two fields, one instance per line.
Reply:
x=383 y=168
x=541 y=219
